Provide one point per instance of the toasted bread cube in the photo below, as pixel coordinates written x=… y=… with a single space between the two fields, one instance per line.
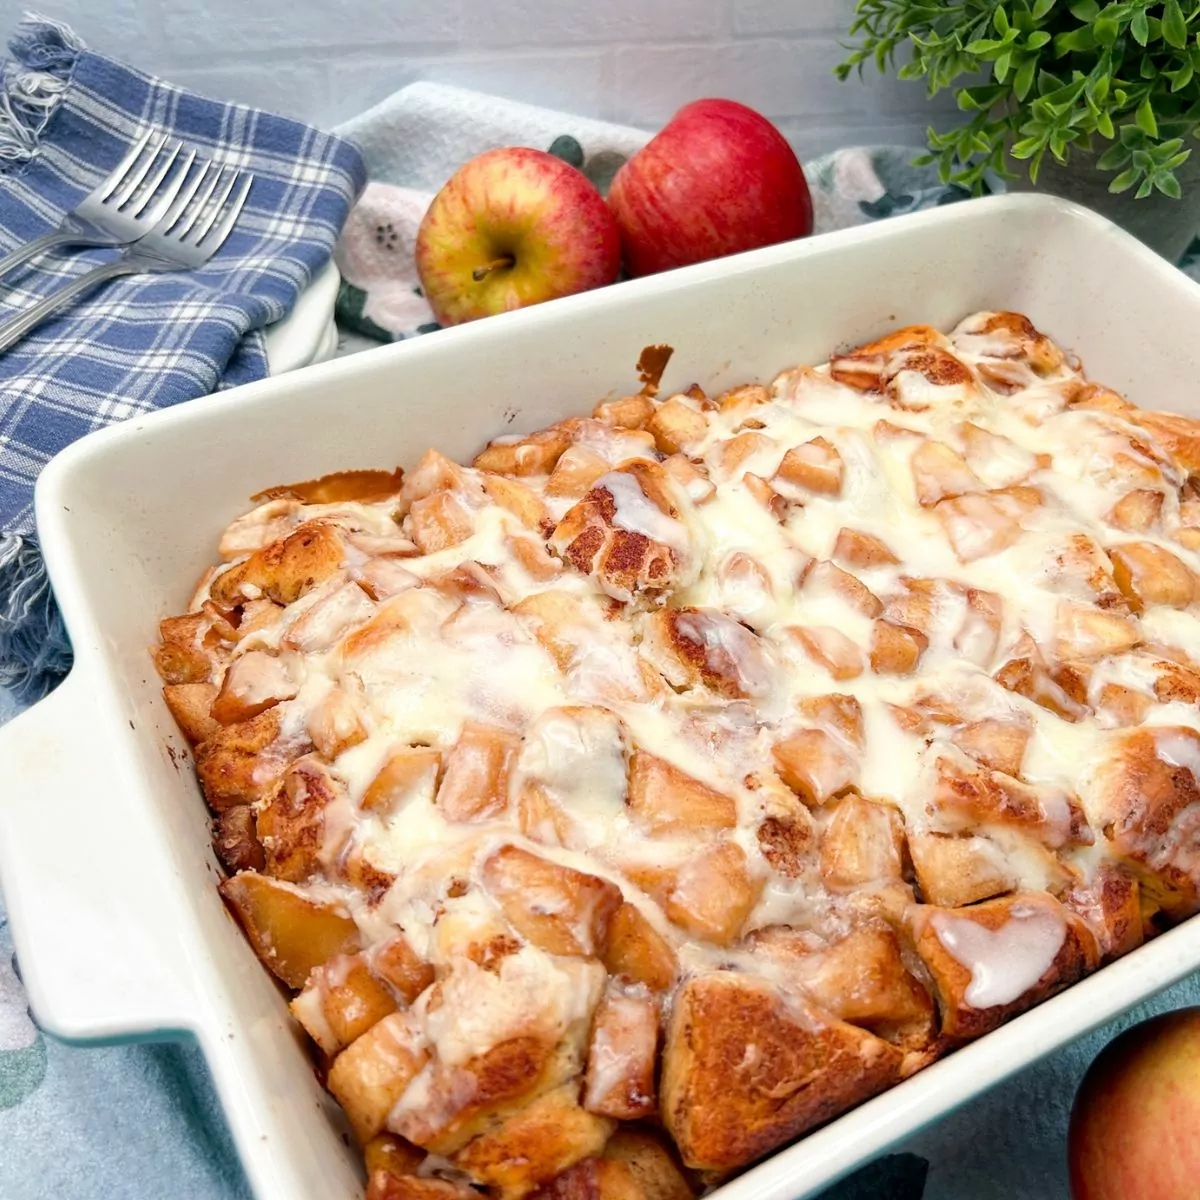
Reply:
x=636 y=951
x=652 y=1161
x=816 y=465
x=677 y=426
x=191 y=706
x=386 y=1185
x=706 y=647
x=743 y=1072
x=372 y=1073
x=952 y=871
x=576 y=473
x=711 y=895
x=1028 y=677
x=519 y=499
x=253 y=682
x=1110 y=905
x=667 y=800
x=593 y=1179
x=864 y=843
x=831 y=649
x=621 y=1056
x=999 y=744
x=292 y=825
x=1136 y=511
x=562 y=910
x=1178 y=435
x=438 y=521
x=1083 y=632
x=235 y=839
x=535 y=1144
x=409 y=772
x=628 y=412
x=734 y=453
x=387 y=1152
x=824 y=577
x=1144 y=799
x=290 y=932
x=858 y=549
x=340 y=1002
x=766 y=495
x=241 y=764
x=815 y=765
x=183 y=657
x=994 y=960
x=1148 y=575
x=284 y=570
x=399 y=965
x=862 y=978
x=741 y=402
x=787 y=841
x=896 y=649
x=534 y=454
x=980 y=525
x=940 y=472
x=837 y=712
x=475 y=784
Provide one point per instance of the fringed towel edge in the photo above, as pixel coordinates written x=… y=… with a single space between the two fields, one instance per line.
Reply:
x=35 y=651
x=32 y=82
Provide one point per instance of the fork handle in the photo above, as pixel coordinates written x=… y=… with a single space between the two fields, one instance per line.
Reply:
x=47 y=242
x=15 y=328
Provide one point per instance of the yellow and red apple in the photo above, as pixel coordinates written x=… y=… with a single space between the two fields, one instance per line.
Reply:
x=718 y=179
x=514 y=227
x=1135 y=1128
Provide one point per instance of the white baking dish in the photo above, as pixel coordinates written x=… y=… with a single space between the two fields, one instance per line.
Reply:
x=103 y=835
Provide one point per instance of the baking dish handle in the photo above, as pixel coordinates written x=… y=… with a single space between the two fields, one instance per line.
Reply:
x=97 y=921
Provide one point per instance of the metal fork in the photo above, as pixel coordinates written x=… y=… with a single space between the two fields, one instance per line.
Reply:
x=119 y=210
x=194 y=228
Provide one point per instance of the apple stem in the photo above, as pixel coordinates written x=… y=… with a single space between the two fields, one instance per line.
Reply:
x=497 y=264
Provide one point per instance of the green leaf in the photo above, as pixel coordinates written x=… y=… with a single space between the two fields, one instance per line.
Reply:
x=1140 y=27
x=1023 y=80
x=1114 y=157
x=1146 y=188
x=1168 y=185
x=1105 y=30
x=1025 y=148
x=1001 y=65
x=1035 y=41
x=1041 y=8
x=1145 y=118
x=1181 y=78
x=1174 y=27
x=1124 y=181
x=1104 y=125
x=1078 y=41
x=1000 y=19
x=1085 y=10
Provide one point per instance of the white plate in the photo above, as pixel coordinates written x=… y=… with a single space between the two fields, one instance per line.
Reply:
x=307 y=334
x=104 y=852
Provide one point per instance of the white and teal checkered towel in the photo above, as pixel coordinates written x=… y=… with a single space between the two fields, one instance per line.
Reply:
x=67 y=117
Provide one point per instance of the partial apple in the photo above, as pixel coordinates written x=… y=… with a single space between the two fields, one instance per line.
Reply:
x=514 y=227
x=717 y=180
x=1134 y=1127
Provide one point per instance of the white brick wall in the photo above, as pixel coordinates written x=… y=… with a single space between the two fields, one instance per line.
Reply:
x=626 y=60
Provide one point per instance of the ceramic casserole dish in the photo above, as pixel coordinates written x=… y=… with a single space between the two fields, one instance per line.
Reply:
x=105 y=859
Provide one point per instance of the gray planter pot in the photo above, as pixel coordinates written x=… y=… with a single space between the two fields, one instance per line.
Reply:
x=1165 y=225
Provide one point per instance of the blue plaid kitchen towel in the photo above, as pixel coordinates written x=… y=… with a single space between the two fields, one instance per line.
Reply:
x=67 y=117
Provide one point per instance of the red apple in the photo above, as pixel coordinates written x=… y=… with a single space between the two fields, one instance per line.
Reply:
x=1135 y=1128
x=718 y=179
x=514 y=227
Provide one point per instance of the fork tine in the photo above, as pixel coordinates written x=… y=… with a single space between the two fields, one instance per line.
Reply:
x=231 y=214
x=214 y=210
x=130 y=185
x=181 y=201
x=172 y=188
x=188 y=220
x=117 y=174
x=155 y=181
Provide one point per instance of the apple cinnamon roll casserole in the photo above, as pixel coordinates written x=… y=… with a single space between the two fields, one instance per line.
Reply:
x=623 y=805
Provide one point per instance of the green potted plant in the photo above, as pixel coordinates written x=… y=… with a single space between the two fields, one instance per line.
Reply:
x=1096 y=102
